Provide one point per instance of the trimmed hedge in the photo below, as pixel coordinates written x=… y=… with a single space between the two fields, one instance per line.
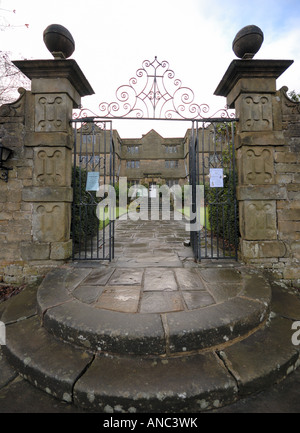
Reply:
x=222 y=216
x=85 y=223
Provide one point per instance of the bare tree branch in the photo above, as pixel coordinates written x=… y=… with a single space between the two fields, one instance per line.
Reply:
x=11 y=78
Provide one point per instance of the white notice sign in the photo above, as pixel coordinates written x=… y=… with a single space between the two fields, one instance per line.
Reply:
x=92 y=181
x=216 y=177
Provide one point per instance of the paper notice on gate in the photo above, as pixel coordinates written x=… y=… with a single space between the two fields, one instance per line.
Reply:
x=216 y=177
x=92 y=181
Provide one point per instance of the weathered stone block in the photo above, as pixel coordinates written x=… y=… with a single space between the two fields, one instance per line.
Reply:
x=21 y=216
x=287 y=168
x=13 y=274
x=289 y=229
x=261 y=192
x=260 y=138
x=255 y=112
x=52 y=112
x=248 y=84
x=57 y=139
x=5 y=216
x=11 y=207
x=295 y=248
x=61 y=85
x=258 y=220
x=61 y=250
x=291 y=272
x=14 y=196
x=285 y=204
x=277 y=112
x=51 y=222
x=52 y=166
x=296 y=178
x=47 y=194
x=257 y=165
x=24 y=173
x=284 y=179
x=288 y=214
x=35 y=251
x=10 y=251
x=287 y=156
x=19 y=230
x=262 y=249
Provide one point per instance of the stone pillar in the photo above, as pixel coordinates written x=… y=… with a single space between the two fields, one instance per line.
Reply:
x=56 y=88
x=250 y=88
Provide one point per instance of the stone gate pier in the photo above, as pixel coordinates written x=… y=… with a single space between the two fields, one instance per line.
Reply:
x=268 y=156
x=35 y=203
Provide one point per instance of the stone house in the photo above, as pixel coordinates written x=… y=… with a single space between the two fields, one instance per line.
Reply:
x=149 y=160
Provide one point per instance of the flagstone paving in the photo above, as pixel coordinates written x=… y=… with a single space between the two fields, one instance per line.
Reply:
x=154 y=272
x=152 y=330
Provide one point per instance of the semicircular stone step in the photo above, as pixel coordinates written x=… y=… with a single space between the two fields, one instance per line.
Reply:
x=189 y=383
x=101 y=330
x=122 y=383
x=135 y=384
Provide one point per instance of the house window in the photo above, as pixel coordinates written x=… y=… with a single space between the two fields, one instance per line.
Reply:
x=133 y=164
x=133 y=182
x=171 y=149
x=90 y=159
x=132 y=149
x=171 y=163
x=87 y=139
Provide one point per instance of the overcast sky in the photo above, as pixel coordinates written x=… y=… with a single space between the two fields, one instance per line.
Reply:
x=113 y=37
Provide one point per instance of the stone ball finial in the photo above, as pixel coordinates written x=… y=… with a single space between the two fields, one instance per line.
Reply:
x=247 y=42
x=59 y=41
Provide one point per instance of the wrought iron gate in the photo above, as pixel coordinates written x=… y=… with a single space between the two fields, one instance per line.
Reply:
x=212 y=166
x=93 y=170
x=155 y=94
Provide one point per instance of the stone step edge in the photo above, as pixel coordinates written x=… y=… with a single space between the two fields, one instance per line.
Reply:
x=154 y=334
x=67 y=372
x=26 y=305
x=169 y=332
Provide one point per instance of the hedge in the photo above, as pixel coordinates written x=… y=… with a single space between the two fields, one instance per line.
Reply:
x=222 y=210
x=85 y=223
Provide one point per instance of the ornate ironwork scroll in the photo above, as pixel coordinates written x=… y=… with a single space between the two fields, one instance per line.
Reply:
x=154 y=93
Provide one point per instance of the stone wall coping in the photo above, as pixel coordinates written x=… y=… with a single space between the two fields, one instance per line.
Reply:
x=252 y=69
x=62 y=68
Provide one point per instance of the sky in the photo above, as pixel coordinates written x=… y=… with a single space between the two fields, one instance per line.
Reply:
x=114 y=37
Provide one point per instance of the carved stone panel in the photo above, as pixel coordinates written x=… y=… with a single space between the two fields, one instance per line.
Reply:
x=256 y=113
x=257 y=167
x=51 y=222
x=52 y=112
x=259 y=220
x=52 y=166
